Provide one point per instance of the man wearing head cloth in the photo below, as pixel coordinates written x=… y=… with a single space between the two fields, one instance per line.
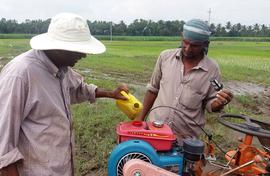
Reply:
x=37 y=89
x=181 y=80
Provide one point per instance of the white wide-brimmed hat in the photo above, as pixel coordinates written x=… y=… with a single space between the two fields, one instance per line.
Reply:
x=68 y=31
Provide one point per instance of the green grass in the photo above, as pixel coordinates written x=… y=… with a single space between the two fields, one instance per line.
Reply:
x=135 y=59
x=132 y=62
x=13 y=47
x=95 y=135
x=247 y=61
x=245 y=100
x=146 y=38
x=16 y=36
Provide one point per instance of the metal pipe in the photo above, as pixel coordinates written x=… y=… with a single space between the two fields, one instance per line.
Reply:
x=239 y=167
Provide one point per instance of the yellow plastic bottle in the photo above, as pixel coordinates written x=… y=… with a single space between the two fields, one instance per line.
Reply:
x=131 y=107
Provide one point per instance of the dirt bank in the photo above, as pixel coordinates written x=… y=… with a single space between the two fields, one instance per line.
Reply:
x=260 y=95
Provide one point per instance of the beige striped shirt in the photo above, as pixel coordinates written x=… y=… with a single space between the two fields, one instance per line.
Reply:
x=35 y=118
x=190 y=94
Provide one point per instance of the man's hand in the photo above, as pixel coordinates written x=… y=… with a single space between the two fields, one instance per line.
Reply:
x=148 y=102
x=10 y=170
x=223 y=97
x=117 y=92
x=112 y=94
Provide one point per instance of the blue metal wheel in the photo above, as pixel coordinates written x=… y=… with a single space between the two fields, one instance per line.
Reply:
x=132 y=149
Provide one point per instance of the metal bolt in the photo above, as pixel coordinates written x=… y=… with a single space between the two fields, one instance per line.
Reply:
x=158 y=124
x=137 y=173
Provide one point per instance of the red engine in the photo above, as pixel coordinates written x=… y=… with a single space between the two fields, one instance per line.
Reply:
x=160 y=136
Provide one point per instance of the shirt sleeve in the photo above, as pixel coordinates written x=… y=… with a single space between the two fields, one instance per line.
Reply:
x=12 y=96
x=154 y=83
x=212 y=92
x=79 y=90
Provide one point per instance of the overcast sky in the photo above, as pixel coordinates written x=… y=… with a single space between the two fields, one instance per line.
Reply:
x=237 y=11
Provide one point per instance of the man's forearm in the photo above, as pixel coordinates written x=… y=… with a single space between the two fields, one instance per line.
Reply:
x=116 y=93
x=148 y=102
x=104 y=93
x=10 y=170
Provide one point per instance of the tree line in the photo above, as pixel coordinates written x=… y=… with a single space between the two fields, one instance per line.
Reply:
x=138 y=27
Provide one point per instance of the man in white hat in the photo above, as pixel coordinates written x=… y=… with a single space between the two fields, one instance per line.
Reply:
x=181 y=80
x=36 y=91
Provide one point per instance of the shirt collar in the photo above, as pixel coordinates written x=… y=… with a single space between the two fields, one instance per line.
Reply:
x=55 y=71
x=202 y=64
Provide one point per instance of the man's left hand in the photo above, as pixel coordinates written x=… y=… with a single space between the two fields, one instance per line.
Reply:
x=117 y=92
x=223 y=97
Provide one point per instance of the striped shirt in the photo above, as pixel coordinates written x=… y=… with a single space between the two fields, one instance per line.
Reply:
x=190 y=94
x=35 y=118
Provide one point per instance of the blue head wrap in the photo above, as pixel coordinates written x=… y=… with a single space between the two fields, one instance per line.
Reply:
x=196 y=30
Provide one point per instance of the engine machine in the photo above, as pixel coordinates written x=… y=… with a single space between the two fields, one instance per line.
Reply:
x=150 y=148
x=153 y=142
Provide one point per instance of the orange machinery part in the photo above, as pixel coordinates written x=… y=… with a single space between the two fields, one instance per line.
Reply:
x=246 y=152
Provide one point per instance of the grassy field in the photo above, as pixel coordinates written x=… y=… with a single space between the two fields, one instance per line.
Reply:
x=132 y=62
x=146 y=38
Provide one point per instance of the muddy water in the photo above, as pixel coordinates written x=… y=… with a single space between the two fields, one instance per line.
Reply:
x=259 y=93
x=245 y=88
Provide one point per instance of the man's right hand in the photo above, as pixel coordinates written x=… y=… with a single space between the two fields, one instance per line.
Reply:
x=149 y=99
x=10 y=170
x=223 y=97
